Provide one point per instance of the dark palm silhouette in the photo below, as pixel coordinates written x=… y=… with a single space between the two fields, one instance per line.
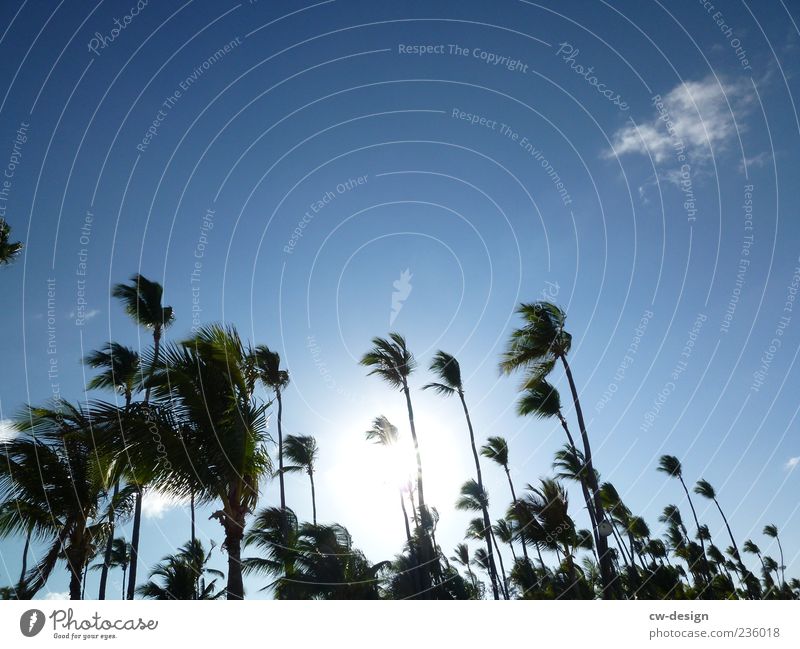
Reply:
x=302 y=452
x=267 y=364
x=9 y=250
x=448 y=371
x=536 y=348
x=120 y=557
x=142 y=301
x=772 y=532
x=183 y=575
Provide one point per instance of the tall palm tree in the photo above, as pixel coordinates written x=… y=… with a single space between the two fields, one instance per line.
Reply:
x=207 y=381
x=671 y=465
x=447 y=369
x=772 y=532
x=120 y=371
x=267 y=365
x=384 y=433
x=183 y=576
x=536 y=348
x=54 y=482
x=392 y=361
x=9 y=250
x=704 y=488
x=302 y=451
x=461 y=557
x=142 y=301
x=120 y=558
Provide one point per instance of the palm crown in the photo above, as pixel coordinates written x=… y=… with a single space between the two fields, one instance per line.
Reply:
x=390 y=359
x=446 y=367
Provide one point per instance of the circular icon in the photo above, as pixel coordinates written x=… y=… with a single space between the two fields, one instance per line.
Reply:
x=605 y=528
x=31 y=622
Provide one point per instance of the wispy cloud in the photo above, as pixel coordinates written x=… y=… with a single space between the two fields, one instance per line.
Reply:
x=792 y=463
x=53 y=595
x=701 y=117
x=156 y=503
x=88 y=315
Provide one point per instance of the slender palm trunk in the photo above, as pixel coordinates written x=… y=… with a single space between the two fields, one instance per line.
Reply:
x=783 y=567
x=706 y=567
x=101 y=595
x=137 y=524
x=25 y=556
x=504 y=583
x=739 y=565
x=280 y=447
x=521 y=529
x=191 y=506
x=313 y=495
x=606 y=567
x=405 y=517
x=487 y=522
x=420 y=491
x=124 y=574
x=587 y=497
x=83 y=580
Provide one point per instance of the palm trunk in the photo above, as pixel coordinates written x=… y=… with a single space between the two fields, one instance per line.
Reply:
x=487 y=523
x=502 y=567
x=405 y=517
x=101 y=595
x=137 y=524
x=234 y=531
x=156 y=350
x=783 y=567
x=521 y=530
x=706 y=568
x=124 y=574
x=74 y=583
x=83 y=580
x=25 y=558
x=313 y=495
x=740 y=566
x=420 y=491
x=606 y=567
x=191 y=506
x=280 y=447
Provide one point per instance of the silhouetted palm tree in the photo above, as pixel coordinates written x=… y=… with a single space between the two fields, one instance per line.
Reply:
x=536 y=347
x=705 y=489
x=120 y=558
x=671 y=465
x=302 y=451
x=142 y=301
x=772 y=532
x=267 y=364
x=121 y=372
x=9 y=250
x=183 y=576
x=447 y=369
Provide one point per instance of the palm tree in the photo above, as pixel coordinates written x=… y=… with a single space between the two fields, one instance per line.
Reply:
x=53 y=482
x=461 y=557
x=183 y=576
x=8 y=250
x=671 y=465
x=268 y=369
x=447 y=369
x=207 y=381
x=142 y=301
x=120 y=372
x=772 y=532
x=302 y=451
x=536 y=347
x=704 y=488
x=392 y=361
x=120 y=558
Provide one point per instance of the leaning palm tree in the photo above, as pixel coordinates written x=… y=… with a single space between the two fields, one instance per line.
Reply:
x=267 y=364
x=536 y=348
x=142 y=301
x=9 y=250
x=207 y=382
x=120 y=371
x=447 y=369
x=671 y=465
x=704 y=488
x=54 y=482
x=302 y=452
x=392 y=361
x=772 y=532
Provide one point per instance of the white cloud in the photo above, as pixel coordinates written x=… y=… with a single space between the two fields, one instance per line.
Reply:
x=793 y=463
x=52 y=595
x=697 y=116
x=7 y=432
x=156 y=503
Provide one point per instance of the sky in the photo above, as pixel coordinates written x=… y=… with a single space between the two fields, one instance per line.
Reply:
x=320 y=173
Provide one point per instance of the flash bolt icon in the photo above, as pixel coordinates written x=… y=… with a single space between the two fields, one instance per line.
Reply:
x=31 y=622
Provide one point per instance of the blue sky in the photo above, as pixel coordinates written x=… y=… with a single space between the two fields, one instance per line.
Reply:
x=492 y=164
